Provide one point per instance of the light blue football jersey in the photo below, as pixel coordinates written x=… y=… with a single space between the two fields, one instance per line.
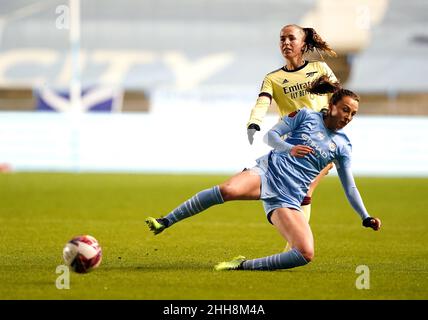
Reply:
x=307 y=128
x=286 y=179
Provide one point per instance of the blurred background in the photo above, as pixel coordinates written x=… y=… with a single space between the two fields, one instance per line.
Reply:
x=168 y=86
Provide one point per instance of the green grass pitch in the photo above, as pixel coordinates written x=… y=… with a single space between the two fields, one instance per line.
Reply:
x=39 y=213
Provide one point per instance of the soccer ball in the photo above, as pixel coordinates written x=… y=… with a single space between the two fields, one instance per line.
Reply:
x=82 y=253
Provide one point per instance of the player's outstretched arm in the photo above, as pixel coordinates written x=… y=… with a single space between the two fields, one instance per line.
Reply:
x=354 y=197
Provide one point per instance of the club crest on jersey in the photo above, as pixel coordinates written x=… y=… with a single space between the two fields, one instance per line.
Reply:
x=332 y=146
x=310 y=74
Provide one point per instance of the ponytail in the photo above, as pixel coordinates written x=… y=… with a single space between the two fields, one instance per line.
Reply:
x=324 y=85
x=314 y=41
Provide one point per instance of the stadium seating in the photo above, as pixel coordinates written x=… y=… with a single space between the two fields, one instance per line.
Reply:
x=152 y=40
x=394 y=61
x=154 y=48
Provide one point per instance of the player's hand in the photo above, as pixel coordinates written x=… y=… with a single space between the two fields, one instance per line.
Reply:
x=373 y=223
x=250 y=134
x=300 y=151
x=251 y=130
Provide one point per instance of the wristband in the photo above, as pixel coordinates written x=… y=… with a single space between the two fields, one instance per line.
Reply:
x=254 y=126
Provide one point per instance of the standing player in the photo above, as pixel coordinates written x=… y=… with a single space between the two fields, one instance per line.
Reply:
x=282 y=177
x=287 y=86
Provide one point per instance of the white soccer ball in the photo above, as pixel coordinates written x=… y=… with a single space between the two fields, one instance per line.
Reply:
x=82 y=253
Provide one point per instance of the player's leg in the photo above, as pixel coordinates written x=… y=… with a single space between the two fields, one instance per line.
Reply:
x=306 y=204
x=242 y=186
x=293 y=226
x=306 y=210
x=317 y=180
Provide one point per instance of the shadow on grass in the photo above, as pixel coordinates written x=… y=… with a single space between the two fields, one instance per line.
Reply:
x=207 y=267
x=162 y=267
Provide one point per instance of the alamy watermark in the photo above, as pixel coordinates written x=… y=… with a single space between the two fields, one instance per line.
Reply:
x=63 y=19
x=63 y=280
x=363 y=280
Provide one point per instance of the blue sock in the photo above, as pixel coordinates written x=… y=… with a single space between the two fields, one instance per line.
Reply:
x=284 y=260
x=199 y=202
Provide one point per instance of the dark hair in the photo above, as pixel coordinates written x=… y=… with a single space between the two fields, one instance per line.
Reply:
x=324 y=85
x=314 y=41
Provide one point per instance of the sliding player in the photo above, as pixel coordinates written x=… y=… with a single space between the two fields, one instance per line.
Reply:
x=282 y=178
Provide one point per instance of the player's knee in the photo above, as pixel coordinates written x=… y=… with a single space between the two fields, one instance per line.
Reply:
x=308 y=255
x=307 y=252
x=228 y=191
